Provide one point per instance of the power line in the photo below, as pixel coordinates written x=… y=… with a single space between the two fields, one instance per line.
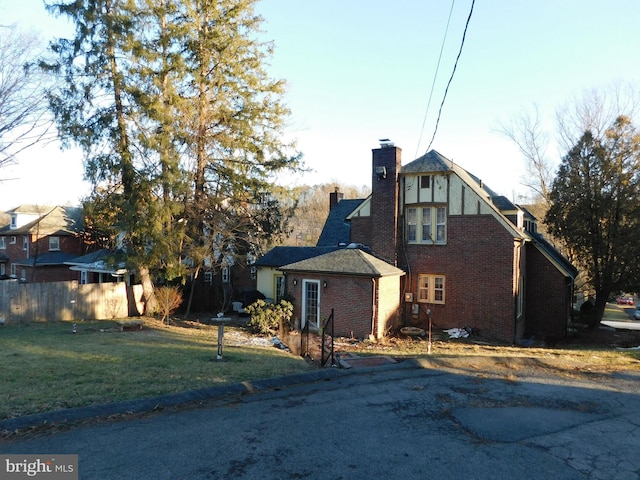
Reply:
x=435 y=75
x=455 y=65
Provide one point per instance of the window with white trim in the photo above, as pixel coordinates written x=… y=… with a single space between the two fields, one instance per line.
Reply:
x=3 y=270
x=84 y=278
x=54 y=244
x=433 y=224
x=23 y=275
x=12 y=241
x=13 y=270
x=3 y=243
x=208 y=277
x=431 y=288
x=25 y=242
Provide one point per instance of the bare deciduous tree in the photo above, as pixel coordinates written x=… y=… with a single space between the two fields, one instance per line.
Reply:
x=526 y=131
x=24 y=118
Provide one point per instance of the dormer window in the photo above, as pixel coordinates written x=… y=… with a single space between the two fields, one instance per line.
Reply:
x=14 y=221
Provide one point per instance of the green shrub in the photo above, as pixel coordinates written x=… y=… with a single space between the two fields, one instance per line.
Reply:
x=270 y=317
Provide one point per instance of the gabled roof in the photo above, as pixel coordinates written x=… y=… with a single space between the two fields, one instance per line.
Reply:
x=50 y=221
x=346 y=261
x=430 y=162
x=434 y=162
x=278 y=256
x=337 y=229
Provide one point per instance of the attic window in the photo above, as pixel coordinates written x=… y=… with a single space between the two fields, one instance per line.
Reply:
x=425 y=181
x=14 y=221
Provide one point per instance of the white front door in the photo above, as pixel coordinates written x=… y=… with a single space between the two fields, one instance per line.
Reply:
x=311 y=303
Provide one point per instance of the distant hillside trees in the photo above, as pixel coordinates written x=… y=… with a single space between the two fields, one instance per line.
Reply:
x=312 y=210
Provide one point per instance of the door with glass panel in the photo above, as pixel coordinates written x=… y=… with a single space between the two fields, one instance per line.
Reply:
x=311 y=304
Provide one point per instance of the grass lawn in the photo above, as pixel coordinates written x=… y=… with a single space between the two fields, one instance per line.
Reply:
x=47 y=367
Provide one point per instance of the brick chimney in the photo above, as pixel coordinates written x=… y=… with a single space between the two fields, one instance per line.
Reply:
x=386 y=164
x=334 y=198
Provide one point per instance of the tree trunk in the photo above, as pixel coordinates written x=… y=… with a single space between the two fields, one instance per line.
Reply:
x=193 y=287
x=148 y=295
x=598 y=310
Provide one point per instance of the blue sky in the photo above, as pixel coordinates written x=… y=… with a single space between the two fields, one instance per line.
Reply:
x=362 y=70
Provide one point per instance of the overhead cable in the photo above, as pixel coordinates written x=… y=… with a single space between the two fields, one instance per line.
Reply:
x=452 y=74
x=435 y=75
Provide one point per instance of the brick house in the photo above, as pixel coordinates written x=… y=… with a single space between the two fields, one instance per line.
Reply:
x=37 y=241
x=473 y=258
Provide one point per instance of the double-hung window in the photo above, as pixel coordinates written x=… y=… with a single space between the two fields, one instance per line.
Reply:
x=54 y=244
x=433 y=224
x=412 y=215
x=3 y=243
x=431 y=288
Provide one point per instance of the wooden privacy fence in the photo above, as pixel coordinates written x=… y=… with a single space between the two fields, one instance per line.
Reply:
x=55 y=301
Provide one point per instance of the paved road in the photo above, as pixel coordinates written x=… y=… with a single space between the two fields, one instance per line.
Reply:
x=401 y=422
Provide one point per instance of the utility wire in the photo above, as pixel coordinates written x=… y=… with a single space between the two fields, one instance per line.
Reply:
x=435 y=75
x=452 y=73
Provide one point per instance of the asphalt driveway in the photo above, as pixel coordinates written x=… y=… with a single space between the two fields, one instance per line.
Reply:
x=398 y=421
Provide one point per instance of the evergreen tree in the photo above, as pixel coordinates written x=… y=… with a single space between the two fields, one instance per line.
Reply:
x=180 y=125
x=595 y=208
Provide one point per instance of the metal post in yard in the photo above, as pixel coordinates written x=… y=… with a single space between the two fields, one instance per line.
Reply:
x=220 y=322
x=429 y=344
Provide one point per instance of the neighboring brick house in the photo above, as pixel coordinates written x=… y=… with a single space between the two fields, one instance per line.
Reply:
x=37 y=241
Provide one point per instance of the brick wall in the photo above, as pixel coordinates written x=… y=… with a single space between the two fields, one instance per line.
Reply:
x=350 y=297
x=384 y=203
x=361 y=230
x=60 y=273
x=477 y=262
x=547 y=312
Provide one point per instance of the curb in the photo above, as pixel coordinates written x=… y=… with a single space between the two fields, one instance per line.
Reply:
x=149 y=404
